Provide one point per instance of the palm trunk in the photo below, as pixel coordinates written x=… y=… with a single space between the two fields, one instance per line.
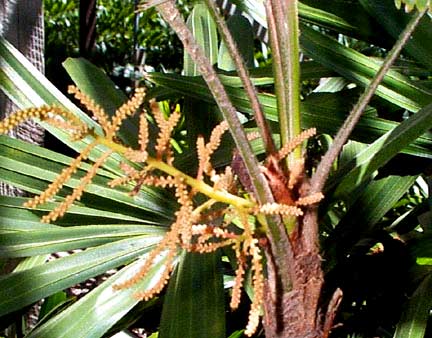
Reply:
x=301 y=311
x=21 y=22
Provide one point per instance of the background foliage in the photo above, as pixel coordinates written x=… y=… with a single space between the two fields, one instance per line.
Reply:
x=114 y=48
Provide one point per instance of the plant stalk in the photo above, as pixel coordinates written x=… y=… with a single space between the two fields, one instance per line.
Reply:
x=281 y=246
x=282 y=17
x=199 y=185
x=319 y=178
x=243 y=73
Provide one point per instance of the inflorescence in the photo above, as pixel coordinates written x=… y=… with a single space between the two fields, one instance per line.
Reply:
x=224 y=219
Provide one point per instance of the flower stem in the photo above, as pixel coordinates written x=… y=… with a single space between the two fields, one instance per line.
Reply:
x=320 y=177
x=243 y=73
x=209 y=191
x=318 y=180
x=283 y=26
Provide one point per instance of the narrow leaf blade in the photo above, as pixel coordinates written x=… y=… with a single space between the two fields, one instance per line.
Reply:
x=194 y=304
x=415 y=316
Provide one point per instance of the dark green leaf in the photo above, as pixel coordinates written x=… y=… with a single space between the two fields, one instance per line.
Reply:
x=99 y=310
x=242 y=32
x=369 y=207
x=360 y=69
x=52 y=304
x=194 y=303
x=25 y=287
x=36 y=242
x=417 y=312
x=381 y=151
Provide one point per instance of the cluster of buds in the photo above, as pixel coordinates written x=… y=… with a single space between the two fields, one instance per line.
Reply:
x=221 y=219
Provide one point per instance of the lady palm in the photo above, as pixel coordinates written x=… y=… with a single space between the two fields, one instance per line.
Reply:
x=203 y=227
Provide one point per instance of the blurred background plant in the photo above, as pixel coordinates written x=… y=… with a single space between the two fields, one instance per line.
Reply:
x=124 y=39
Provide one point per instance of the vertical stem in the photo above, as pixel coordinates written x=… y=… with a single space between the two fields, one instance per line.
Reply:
x=284 y=40
x=319 y=179
x=243 y=73
x=281 y=247
x=87 y=27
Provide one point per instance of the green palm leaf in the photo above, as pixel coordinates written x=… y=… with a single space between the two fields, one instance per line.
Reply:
x=325 y=111
x=194 y=305
x=98 y=311
x=413 y=322
x=20 y=289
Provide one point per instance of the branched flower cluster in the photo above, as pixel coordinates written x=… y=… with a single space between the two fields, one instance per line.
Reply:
x=52 y=114
x=203 y=227
x=66 y=120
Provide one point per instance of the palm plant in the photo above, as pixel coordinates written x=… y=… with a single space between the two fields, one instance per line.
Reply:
x=111 y=200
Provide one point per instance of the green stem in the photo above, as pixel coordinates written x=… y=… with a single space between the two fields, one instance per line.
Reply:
x=199 y=185
x=243 y=73
x=171 y=14
x=319 y=178
x=283 y=25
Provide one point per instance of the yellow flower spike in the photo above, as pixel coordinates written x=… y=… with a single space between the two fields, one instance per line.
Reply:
x=167 y=244
x=58 y=183
x=202 y=156
x=143 y=132
x=215 y=137
x=206 y=151
x=131 y=175
x=296 y=172
x=77 y=132
x=223 y=181
x=157 y=113
x=258 y=287
x=97 y=111
x=311 y=199
x=279 y=209
x=185 y=216
x=163 y=279
x=15 y=119
x=206 y=236
x=163 y=146
x=160 y=181
x=138 y=156
x=295 y=142
x=42 y=113
x=238 y=280
x=77 y=192
x=127 y=109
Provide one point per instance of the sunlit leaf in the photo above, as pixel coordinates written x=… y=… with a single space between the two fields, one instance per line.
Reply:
x=415 y=316
x=25 y=287
x=100 y=309
x=194 y=305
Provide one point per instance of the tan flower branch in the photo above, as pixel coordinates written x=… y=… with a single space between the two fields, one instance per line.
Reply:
x=51 y=114
x=203 y=227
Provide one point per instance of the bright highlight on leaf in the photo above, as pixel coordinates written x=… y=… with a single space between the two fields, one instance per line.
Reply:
x=411 y=4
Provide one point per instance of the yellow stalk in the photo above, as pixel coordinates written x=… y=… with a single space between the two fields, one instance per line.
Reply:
x=209 y=191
